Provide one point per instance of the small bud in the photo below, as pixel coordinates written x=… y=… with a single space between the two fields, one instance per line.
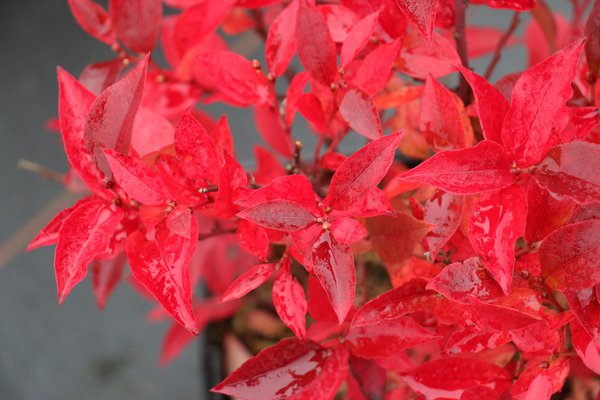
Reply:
x=160 y=78
x=126 y=61
x=255 y=64
x=333 y=86
x=326 y=225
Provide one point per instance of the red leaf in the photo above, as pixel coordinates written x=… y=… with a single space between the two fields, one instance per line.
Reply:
x=592 y=44
x=110 y=121
x=482 y=168
x=161 y=266
x=309 y=105
x=498 y=221
x=461 y=281
x=94 y=19
x=105 y=276
x=295 y=188
x=268 y=166
x=137 y=22
x=569 y=256
x=585 y=306
x=282 y=215
x=98 y=76
x=569 y=172
x=294 y=92
x=236 y=78
x=138 y=180
x=501 y=318
x=586 y=348
x=290 y=301
x=195 y=149
x=49 y=234
x=199 y=21
x=179 y=221
x=253 y=239
x=372 y=74
x=444 y=211
x=280 y=45
x=449 y=377
x=537 y=108
x=360 y=112
x=274 y=131
x=83 y=235
x=492 y=106
x=316 y=49
x=358 y=38
x=419 y=59
x=347 y=230
x=333 y=265
x=422 y=13
x=361 y=172
x=441 y=118
x=74 y=103
x=545 y=214
x=387 y=338
x=408 y=298
x=541 y=380
x=232 y=186
x=394 y=238
x=248 y=281
x=151 y=132
x=292 y=368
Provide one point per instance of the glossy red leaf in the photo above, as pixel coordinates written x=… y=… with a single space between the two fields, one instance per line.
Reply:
x=290 y=301
x=292 y=368
x=491 y=105
x=268 y=166
x=498 y=220
x=422 y=13
x=440 y=119
x=316 y=48
x=387 y=338
x=360 y=112
x=232 y=186
x=444 y=211
x=461 y=281
x=529 y=128
x=394 y=238
x=545 y=214
x=586 y=348
x=408 y=298
x=585 y=306
x=161 y=266
x=74 y=104
x=309 y=105
x=474 y=340
x=110 y=122
x=138 y=180
x=253 y=239
x=358 y=38
x=569 y=256
x=482 y=168
x=541 y=379
x=280 y=45
x=84 y=235
x=449 y=377
x=236 y=78
x=569 y=172
x=501 y=318
x=361 y=172
x=248 y=281
x=106 y=274
x=333 y=265
x=195 y=149
x=94 y=19
x=274 y=132
x=136 y=22
x=282 y=215
x=347 y=230
x=294 y=91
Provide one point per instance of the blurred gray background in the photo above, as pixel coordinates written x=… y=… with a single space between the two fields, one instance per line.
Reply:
x=75 y=351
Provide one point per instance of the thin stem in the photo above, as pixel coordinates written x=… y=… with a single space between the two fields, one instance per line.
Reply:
x=501 y=44
x=41 y=170
x=460 y=24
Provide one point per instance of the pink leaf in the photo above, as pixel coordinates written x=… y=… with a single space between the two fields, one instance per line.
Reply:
x=482 y=168
x=347 y=230
x=280 y=45
x=358 y=38
x=422 y=13
x=360 y=112
x=49 y=234
x=373 y=73
x=273 y=130
x=105 y=276
x=419 y=59
x=94 y=19
x=280 y=215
